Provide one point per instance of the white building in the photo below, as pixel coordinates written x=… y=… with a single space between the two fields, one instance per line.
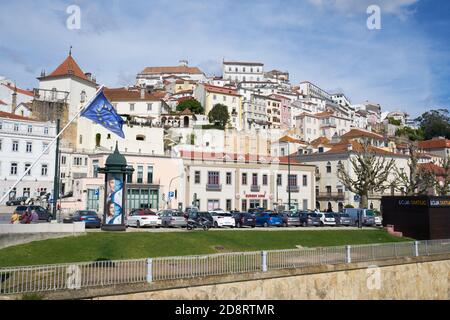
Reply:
x=154 y=76
x=341 y=99
x=310 y=89
x=242 y=71
x=21 y=141
x=11 y=96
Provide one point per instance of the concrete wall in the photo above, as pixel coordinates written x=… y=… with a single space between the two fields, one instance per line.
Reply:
x=422 y=280
x=15 y=234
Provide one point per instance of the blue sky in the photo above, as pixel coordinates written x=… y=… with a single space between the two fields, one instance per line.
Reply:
x=405 y=65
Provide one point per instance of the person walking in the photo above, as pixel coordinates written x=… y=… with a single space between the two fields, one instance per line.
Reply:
x=34 y=217
x=15 y=218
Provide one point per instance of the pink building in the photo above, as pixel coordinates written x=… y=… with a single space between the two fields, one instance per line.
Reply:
x=285 y=110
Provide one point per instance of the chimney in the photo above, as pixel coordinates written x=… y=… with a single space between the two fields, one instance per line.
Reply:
x=88 y=75
x=142 y=93
x=14 y=100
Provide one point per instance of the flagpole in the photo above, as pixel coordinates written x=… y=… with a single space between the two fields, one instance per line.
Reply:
x=50 y=144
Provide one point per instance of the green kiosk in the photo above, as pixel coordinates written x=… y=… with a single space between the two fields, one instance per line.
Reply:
x=115 y=171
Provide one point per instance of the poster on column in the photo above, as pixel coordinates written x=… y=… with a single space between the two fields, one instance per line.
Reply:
x=114 y=197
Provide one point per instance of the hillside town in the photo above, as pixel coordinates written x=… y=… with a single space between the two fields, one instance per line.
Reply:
x=246 y=139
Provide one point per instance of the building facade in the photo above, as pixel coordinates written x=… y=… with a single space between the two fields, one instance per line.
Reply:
x=21 y=141
x=242 y=71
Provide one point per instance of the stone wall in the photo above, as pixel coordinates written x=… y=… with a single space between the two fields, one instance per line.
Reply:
x=422 y=281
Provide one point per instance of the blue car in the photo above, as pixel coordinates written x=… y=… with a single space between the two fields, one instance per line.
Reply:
x=267 y=219
x=90 y=218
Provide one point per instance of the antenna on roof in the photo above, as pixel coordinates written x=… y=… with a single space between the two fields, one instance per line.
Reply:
x=70 y=51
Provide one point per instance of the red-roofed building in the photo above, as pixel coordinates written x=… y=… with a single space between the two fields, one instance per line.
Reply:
x=209 y=96
x=154 y=76
x=438 y=146
x=12 y=96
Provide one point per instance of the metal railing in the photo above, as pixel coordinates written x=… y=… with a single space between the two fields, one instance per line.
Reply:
x=71 y=276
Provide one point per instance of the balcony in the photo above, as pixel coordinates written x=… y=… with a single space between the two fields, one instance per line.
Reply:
x=328 y=125
x=213 y=187
x=45 y=95
x=255 y=188
x=293 y=189
x=330 y=196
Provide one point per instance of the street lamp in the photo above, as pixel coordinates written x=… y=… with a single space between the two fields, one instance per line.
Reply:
x=168 y=193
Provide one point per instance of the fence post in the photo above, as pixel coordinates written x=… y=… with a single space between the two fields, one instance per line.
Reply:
x=264 y=261
x=416 y=248
x=348 y=255
x=149 y=270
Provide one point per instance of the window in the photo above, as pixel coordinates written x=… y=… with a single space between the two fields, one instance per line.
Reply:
x=328 y=189
x=224 y=98
x=44 y=170
x=228 y=177
x=279 y=179
x=85 y=161
x=83 y=96
x=244 y=179
x=30 y=128
x=140 y=174
x=254 y=179
x=197 y=177
x=214 y=97
x=1 y=143
x=15 y=146
x=149 y=106
x=81 y=139
x=27 y=165
x=29 y=147
x=63 y=160
x=130 y=178
x=16 y=127
x=213 y=204
x=1 y=125
x=13 y=168
x=213 y=177
x=45 y=130
x=44 y=146
x=305 y=180
x=265 y=203
x=140 y=137
x=264 y=182
x=292 y=180
x=131 y=106
x=150 y=174
x=95 y=168
x=328 y=167
x=77 y=161
x=244 y=205
x=228 y=205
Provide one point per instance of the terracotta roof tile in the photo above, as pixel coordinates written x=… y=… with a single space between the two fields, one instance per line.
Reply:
x=122 y=94
x=434 y=144
x=291 y=140
x=358 y=133
x=320 y=141
x=432 y=168
x=221 y=90
x=68 y=68
x=174 y=70
x=342 y=147
x=15 y=116
x=21 y=91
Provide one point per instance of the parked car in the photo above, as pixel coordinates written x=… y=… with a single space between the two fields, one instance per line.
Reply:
x=222 y=218
x=244 y=219
x=366 y=216
x=342 y=219
x=44 y=214
x=143 y=218
x=89 y=217
x=16 y=202
x=308 y=218
x=172 y=218
x=378 y=221
x=267 y=219
x=327 y=219
x=291 y=219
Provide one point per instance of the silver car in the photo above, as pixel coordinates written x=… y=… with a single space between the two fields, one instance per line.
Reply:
x=172 y=218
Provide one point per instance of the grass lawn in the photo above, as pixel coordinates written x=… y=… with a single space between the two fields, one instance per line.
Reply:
x=131 y=245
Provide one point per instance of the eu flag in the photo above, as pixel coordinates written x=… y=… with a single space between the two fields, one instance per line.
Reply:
x=102 y=112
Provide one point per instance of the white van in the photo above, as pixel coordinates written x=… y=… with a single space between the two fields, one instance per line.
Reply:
x=367 y=216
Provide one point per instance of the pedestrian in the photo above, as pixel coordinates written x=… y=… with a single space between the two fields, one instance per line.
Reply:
x=34 y=217
x=26 y=217
x=15 y=218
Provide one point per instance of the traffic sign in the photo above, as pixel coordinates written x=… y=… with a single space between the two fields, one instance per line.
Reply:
x=357 y=198
x=171 y=194
x=97 y=192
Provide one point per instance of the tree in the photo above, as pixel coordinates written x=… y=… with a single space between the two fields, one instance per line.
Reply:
x=219 y=114
x=193 y=105
x=410 y=133
x=435 y=123
x=417 y=181
x=371 y=171
x=394 y=122
x=444 y=188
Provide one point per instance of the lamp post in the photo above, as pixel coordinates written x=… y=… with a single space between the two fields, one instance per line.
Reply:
x=289 y=176
x=168 y=193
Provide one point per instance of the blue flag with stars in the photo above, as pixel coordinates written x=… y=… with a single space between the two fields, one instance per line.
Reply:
x=102 y=112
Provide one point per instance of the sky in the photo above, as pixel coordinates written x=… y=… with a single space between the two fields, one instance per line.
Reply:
x=404 y=65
